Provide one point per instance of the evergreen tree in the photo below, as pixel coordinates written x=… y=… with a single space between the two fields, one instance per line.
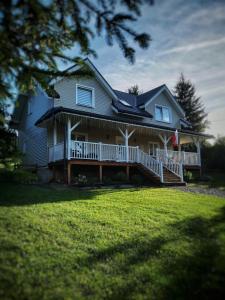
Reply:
x=185 y=94
x=134 y=90
x=34 y=35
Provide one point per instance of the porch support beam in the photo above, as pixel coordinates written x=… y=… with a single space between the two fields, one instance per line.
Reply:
x=100 y=173
x=68 y=173
x=126 y=136
x=74 y=126
x=196 y=141
x=165 y=140
x=68 y=137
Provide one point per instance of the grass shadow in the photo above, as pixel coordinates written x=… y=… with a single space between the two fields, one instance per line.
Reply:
x=199 y=274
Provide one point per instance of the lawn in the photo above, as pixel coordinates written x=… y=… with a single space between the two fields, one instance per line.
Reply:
x=60 y=243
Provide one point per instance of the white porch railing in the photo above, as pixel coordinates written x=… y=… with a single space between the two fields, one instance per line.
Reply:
x=100 y=151
x=117 y=153
x=186 y=158
x=152 y=164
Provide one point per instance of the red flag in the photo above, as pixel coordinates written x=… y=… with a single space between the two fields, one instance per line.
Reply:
x=174 y=139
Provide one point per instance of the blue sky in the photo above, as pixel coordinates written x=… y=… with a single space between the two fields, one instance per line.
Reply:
x=188 y=37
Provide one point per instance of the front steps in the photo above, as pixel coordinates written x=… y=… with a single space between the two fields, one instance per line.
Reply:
x=169 y=178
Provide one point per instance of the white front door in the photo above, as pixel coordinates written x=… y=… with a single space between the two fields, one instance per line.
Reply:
x=152 y=148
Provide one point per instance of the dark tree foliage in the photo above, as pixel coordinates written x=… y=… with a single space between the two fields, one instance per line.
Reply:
x=213 y=156
x=34 y=35
x=134 y=90
x=195 y=112
x=8 y=148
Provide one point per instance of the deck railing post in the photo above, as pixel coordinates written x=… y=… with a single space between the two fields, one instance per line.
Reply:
x=181 y=172
x=161 y=171
x=100 y=151
x=138 y=155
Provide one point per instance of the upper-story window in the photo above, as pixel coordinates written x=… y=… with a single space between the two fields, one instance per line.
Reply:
x=85 y=96
x=162 y=113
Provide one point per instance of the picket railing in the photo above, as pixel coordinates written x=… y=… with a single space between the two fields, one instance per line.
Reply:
x=152 y=164
x=186 y=158
x=117 y=153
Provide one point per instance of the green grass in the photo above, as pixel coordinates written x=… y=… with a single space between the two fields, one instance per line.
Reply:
x=110 y=244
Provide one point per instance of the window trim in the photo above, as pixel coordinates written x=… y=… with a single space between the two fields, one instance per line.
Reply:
x=92 y=95
x=153 y=143
x=170 y=114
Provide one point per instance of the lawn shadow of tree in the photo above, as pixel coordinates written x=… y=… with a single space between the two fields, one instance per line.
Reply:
x=196 y=275
x=19 y=195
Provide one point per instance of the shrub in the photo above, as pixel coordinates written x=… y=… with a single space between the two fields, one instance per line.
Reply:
x=188 y=176
x=18 y=176
x=80 y=179
x=107 y=180
x=137 y=179
x=120 y=177
x=92 y=180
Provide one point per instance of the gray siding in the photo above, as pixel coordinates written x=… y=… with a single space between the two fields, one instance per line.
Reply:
x=34 y=137
x=67 y=90
x=164 y=100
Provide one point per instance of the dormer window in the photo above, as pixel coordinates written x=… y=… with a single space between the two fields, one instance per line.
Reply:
x=162 y=114
x=85 y=96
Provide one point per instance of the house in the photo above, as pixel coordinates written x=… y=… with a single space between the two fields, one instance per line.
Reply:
x=88 y=123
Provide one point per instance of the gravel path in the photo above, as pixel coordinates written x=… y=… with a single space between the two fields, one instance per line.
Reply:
x=202 y=190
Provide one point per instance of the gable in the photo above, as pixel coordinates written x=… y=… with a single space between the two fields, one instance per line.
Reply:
x=67 y=89
x=164 y=100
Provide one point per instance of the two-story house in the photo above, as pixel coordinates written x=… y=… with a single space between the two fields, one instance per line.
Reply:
x=88 y=123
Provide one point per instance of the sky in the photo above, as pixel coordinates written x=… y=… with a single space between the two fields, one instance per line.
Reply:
x=187 y=37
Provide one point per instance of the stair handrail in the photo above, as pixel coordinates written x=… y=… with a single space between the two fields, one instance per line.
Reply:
x=175 y=168
x=151 y=163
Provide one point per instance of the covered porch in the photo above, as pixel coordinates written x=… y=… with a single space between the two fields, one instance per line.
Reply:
x=92 y=138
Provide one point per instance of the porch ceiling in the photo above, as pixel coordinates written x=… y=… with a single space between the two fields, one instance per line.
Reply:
x=109 y=124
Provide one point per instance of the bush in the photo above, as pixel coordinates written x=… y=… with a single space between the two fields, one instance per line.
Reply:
x=80 y=179
x=107 y=180
x=120 y=177
x=188 y=176
x=137 y=179
x=92 y=180
x=18 y=176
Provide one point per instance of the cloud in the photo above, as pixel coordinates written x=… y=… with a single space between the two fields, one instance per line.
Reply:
x=194 y=46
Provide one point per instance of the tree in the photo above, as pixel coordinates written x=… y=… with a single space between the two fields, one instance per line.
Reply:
x=186 y=96
x=9 y=153
x=134 y=90
x=34 y=35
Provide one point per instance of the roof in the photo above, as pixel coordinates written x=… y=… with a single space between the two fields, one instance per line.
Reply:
x=131 y=110
x=143 y=98
x=57 y=110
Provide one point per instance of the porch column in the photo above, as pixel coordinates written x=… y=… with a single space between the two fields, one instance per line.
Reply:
x=198 y=146
x=100 y=173
x=69 y=130
x=68 y=172
x=126 y=136
x=165 y=141
x=68 y=137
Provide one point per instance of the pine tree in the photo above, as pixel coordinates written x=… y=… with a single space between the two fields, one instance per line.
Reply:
x=134 y=90
x=34 y=37
x=185 y=94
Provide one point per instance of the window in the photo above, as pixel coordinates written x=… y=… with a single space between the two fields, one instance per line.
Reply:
x=152 y=148
x=85 y=96
x=162 y=113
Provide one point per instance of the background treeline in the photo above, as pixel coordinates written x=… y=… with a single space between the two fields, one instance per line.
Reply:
x=213 y=156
